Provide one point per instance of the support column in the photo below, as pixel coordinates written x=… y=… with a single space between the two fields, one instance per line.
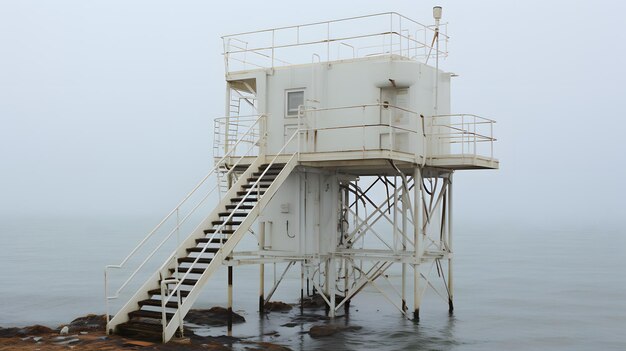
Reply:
x=450 y=253
x=395 y=214
x=230 y=280
x=346 y=285
x=405 y=201
x=332 y=282
x=230 y=300
x=261 y=268
x=417 y=237
x=326 y=283
x=301 y=287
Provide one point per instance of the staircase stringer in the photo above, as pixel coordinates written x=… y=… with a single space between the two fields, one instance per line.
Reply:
x=153 y=281
x=227 y=248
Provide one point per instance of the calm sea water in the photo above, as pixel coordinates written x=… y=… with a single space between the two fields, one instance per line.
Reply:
x=516 y=289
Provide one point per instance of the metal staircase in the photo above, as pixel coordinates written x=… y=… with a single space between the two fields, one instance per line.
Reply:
x=175 y=288
x=157 y=309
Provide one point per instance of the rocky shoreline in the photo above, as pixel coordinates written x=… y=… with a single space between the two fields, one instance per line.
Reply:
x=88 y=333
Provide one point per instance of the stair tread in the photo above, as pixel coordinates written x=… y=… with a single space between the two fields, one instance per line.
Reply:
x=262 y=184
x=269 y=172
x=186 y=269
x=199 y=249
x=213 y=241
x=223 y=231
x=149 y=314
x=242 y=207
x=141 y=331
x=253 y=192
x=192 y=259
x=155 y=302
x=187 y=281
x=183 y=293
x=267 y=178
x=231 y=223
x=138 y=325
x=246 y=199
x=236 y=214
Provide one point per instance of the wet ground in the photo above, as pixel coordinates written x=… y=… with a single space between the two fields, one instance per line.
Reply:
x=88 y=332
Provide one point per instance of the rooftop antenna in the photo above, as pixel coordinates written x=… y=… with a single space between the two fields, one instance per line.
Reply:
x=437 y=11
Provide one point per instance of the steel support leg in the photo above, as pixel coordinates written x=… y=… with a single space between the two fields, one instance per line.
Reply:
x=417 y=238
x=332 y=280
x=405 y=206
x=261 y=269
x=301 y=286
x=346 y=285
x=230 y=300
x=450 y=257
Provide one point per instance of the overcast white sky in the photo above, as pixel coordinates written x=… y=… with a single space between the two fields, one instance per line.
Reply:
x=106 y=107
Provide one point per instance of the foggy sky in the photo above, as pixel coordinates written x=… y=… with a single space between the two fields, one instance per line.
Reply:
x=106 y=107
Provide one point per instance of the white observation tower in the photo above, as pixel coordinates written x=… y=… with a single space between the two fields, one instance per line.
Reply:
x=336 y=157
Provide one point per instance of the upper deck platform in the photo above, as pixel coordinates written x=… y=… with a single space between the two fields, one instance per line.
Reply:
x=350 y=94
x=386 y=33
x=452 y=142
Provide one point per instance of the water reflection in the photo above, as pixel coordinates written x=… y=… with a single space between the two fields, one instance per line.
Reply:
x=362 y=328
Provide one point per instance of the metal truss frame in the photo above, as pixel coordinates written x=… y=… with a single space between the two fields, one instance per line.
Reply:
x=385 y=220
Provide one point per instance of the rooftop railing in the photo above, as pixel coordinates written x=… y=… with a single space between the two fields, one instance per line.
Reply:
x=386 y=33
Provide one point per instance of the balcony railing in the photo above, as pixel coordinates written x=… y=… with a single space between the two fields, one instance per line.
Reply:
x=239 y=132
x=463 y=135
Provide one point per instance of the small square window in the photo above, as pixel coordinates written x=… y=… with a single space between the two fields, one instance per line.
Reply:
x=295 y=98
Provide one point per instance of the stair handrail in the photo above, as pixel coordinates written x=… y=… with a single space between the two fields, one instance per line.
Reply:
x=221 y=227
x=170 y=214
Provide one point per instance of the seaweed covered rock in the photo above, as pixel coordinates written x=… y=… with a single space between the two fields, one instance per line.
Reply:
x=318 y=331
x=215 y=316
x=317 y=301
x=267 y=346
x=9 y=332
x=89 y=322
x=277 y=306
x=20 y=332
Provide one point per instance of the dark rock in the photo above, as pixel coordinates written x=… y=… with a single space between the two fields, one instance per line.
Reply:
x=9 y=332
x=317 y=301
x=215 y=346
x=289 y=325
x=217 y=343
x=89 y=322
x=36 y=330
x=215 y=316
x=31 y=330
x=277 y=306
x=318 y=331
x=264 y=346
x=309 y=318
